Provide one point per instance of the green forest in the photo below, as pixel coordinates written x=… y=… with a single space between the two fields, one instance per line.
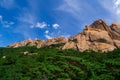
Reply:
x=51 y=63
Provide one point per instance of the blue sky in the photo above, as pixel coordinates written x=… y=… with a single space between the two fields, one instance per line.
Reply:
x=45 y=19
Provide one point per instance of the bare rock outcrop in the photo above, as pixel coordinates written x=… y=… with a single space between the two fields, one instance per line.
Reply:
x=98 y=36
x=39 y=43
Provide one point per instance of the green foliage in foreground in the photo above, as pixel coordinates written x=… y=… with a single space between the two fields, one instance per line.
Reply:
x=55 y=64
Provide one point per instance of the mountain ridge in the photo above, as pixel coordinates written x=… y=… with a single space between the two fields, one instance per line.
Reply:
x=98 y=36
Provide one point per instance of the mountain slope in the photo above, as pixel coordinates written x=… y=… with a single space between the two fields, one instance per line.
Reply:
x=31 y=63
x=97 y=37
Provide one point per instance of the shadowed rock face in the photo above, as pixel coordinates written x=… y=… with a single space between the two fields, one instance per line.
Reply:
x=97 y=37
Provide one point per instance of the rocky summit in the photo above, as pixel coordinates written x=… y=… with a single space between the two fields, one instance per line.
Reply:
x=98 y=36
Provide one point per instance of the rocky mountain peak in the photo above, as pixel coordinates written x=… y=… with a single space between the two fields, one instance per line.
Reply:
x=98 y=36
x=98 y=24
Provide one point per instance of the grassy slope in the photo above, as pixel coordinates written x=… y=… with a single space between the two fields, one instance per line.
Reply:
x=54 y=64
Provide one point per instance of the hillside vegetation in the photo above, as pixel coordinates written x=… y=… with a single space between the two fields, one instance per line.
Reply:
x=30 y=63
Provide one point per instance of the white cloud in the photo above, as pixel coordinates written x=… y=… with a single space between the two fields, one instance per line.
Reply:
x=75 y=10
x=117 y=3
x=41 y=25
x=46 y=32
x=26 y=21
x=7 y=3
x=26 y=17
x=113 y=7
x=118 y=11
x=5 y=24
x=30 y=20
x=56 y=33
x=117 y=6
x=38 y=25
x=73 y=7
x=55 y=26
x=48 y=37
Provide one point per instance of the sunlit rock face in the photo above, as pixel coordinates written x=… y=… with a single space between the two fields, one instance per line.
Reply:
x=98 y=36
x=40 y=43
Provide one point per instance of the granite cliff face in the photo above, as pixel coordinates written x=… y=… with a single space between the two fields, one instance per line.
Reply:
x=39 y=43
x=97 y=37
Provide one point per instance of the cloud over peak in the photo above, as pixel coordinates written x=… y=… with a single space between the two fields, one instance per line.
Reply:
x=48 y=37
x=56 y=26
x=41 y=25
